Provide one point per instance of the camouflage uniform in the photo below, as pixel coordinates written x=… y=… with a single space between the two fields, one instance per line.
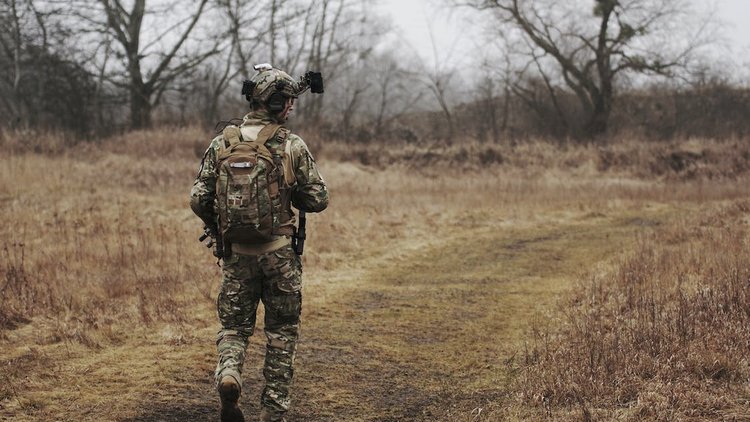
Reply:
x=271 y=276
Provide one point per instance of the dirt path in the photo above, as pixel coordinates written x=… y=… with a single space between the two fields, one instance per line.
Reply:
x=431 y=334
x=424 y=331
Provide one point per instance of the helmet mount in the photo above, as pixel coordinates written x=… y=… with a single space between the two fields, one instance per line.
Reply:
x=272 y=87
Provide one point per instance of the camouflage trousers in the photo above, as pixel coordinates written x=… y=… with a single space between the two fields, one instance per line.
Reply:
x=275 y=278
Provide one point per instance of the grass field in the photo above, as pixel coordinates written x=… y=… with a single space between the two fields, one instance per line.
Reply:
x=482 y=284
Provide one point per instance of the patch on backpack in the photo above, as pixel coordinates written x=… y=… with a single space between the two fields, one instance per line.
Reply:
x=236 y=201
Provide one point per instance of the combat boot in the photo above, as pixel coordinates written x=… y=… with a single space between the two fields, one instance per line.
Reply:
x=270 y=415
x=229 y=392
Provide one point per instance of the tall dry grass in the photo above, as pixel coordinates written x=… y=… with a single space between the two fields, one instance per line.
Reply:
x=102 y=228
x=94 y=233
x=98 y=240
x=664 y=336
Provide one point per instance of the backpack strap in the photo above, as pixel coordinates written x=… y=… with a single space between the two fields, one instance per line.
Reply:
x=278 y=152
x=259 y=143
x=278 y=156
x=232 y=136
x=286 y=146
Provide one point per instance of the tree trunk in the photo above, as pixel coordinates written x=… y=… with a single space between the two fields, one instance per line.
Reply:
x=598 y=121
x=211 y=113
x=506 y=110
x=140 y=107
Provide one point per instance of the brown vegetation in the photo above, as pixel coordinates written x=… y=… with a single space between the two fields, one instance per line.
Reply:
x=422 y=281
x=663 y=335
x=693 y=159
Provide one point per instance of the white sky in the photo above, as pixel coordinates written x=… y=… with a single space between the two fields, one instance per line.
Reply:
x=418 y=22
x=415 y=20
x=736 y=13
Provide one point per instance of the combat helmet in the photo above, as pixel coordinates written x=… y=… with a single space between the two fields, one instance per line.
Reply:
x=271 y=87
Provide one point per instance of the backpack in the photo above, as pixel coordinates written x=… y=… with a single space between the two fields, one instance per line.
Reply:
x=253 y=186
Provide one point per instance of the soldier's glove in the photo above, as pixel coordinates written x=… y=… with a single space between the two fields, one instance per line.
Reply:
x=207 y=234
x=212 y=234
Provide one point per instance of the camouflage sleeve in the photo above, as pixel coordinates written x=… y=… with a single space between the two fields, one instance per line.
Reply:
x=310 y=193
x=203 y=193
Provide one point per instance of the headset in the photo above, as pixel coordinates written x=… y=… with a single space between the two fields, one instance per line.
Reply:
x=277 y=101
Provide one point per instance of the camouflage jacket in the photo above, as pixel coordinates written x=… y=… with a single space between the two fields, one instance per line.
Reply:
x=309 y=193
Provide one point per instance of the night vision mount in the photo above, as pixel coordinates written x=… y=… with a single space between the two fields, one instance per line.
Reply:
x=311 y=80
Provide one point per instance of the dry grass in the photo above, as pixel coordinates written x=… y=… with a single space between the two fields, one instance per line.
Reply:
x=421 y=280
x=662 y=336
x=692 y=159
x=90 y=227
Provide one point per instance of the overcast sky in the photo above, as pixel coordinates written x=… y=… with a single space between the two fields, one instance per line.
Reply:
x=736 y=13
x=415 y=20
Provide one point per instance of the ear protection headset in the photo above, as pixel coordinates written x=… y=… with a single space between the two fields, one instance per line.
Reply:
x=277 y=100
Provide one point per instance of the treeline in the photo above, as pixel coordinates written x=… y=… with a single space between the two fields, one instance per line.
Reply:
x=715 y=110
x=94 y=67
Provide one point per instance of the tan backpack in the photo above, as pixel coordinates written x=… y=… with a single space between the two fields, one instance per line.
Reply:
x=253 y=186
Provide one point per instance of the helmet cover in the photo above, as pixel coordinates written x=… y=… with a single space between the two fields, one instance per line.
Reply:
x=271 y=80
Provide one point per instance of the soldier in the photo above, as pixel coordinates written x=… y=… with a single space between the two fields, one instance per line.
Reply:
x=259 y=268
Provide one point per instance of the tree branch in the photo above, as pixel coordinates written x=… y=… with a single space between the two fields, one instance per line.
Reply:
x=168 y=58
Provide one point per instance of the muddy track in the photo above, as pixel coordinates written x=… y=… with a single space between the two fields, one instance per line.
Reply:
x=430 y=336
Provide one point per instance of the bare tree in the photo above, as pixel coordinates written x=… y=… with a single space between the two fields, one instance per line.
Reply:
x=438 y=82
x=534 y=86
x=592 y=48
x=37 y=78
x=343 y=33
x=331 y=36
x=148 y=79
x=24 y=27
x=244 y=38
x=437 y=77
x=395 y=92
x=486 y=104
x=355 y=89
